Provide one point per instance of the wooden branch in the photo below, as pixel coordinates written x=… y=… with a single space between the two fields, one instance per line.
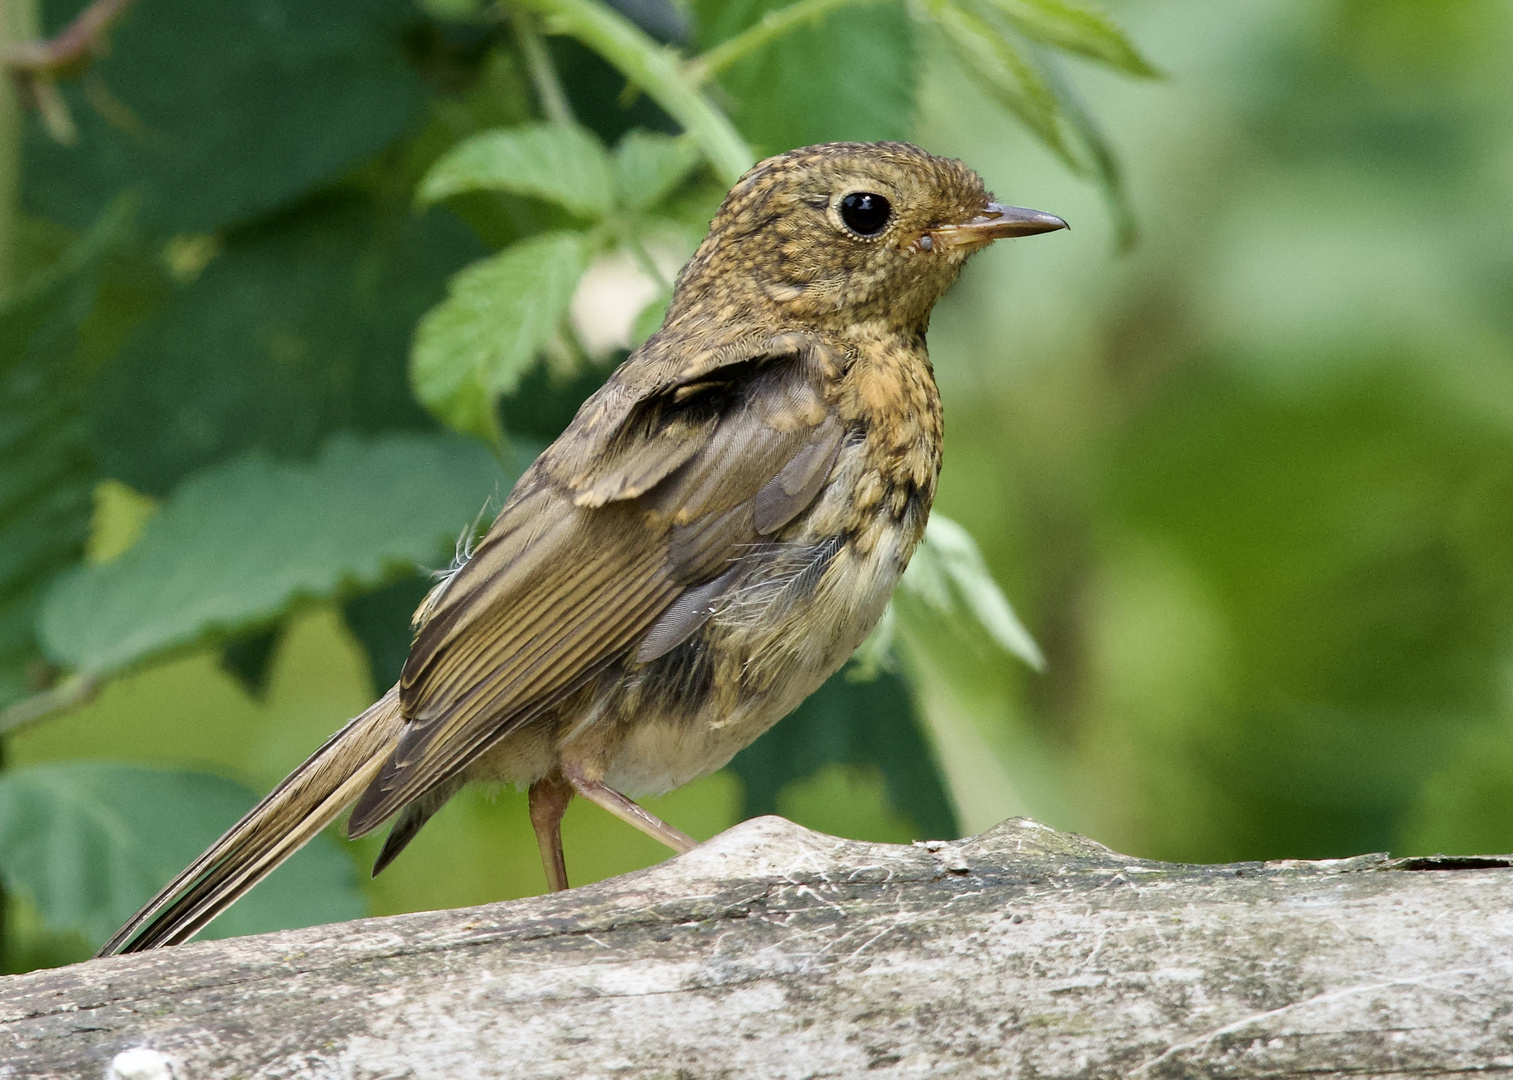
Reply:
x=773 y=952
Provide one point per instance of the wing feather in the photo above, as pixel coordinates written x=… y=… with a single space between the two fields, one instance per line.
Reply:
x=786 y=495
x=595 y=555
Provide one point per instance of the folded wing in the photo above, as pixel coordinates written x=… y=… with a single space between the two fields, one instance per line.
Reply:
x=612 y=555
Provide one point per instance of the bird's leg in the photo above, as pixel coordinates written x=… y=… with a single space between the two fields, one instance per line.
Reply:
x=597 y=791
x=548 y=802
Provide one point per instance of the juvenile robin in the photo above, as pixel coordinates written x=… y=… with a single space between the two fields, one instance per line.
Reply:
x=712 y=536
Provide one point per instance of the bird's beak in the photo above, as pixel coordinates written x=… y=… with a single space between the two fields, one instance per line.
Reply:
x=996 y=222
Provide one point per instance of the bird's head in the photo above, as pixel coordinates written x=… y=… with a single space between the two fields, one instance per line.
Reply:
x=841 y=234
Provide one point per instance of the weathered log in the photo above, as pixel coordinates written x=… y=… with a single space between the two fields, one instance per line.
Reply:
x=774 y=952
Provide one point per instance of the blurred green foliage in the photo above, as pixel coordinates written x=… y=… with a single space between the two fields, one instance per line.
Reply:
x=312 y=284
x=138 y=826
x=1250 y=485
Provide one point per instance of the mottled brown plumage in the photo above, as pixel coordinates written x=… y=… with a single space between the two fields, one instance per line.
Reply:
x=711 y=538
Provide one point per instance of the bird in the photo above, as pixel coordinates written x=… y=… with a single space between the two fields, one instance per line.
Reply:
x=716 y=531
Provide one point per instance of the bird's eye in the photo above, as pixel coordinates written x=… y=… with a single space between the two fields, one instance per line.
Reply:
x=865 y=213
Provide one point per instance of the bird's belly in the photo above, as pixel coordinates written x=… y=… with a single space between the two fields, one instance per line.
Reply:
x=768 y=648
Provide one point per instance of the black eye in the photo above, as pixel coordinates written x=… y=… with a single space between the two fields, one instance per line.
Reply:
x=865 y=213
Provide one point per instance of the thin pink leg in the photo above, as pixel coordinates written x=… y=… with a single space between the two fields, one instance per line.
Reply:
x=597 y=791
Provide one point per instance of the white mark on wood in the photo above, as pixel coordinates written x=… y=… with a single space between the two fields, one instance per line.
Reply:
x=142 y=1063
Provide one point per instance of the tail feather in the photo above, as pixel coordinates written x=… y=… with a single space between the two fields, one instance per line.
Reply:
x=410 y=820
x=307 y=800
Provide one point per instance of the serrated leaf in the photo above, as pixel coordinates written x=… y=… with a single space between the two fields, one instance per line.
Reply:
x=237 y=544
x=849 y=75
x=561 y=163
x=1076 y=29
x=1033 y=88
x=217 y=111
x=298 y=329
x=649 y=164
x=89 y=842
x=1007 y=72
x=499 y=312
x=849 y=721
x=948 y=574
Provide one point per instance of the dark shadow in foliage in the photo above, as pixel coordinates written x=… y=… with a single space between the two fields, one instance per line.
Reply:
x=301 y=328
x=852 y=722
x=543 y=403
x=662 y=19
x=215 y=111
x=594 y=91
x=597 y=92
x=249 y=659
x=381 y=621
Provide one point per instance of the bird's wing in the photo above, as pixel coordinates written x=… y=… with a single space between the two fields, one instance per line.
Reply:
x=595 y=553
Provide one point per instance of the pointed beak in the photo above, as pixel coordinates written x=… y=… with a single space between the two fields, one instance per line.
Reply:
x=996 y=222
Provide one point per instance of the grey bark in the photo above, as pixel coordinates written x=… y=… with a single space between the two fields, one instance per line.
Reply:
x=775 y=952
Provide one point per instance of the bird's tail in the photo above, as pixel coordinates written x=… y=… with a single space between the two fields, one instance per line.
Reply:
x=307 y=800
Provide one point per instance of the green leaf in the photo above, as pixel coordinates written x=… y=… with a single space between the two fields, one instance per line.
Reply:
x=88 y=842
x=237 y=544
x=48 y=471
x=849 y=75
x=948 y=575
x=564 y=164
x=1007 y=72
x=1076 y=29
x=648 y=165
x=867 y=723
x=499 y=312
x=300 y=328
x=217 y=111
x=1033 y=88
x=380 y=619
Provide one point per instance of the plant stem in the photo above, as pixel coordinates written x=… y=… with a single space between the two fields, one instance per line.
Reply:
x=656 y=70
x=81 y=39
x=641 y=255
x=543 y=72
x=774 y=25
x=69 y=692
x=18 y=24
